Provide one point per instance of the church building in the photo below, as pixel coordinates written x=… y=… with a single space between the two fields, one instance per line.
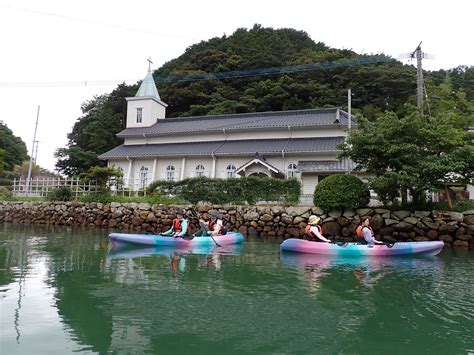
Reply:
x=298 y=144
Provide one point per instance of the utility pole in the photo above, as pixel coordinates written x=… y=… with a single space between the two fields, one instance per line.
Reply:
x=418 y=54
x=28 y=179
x=419 y=78
x=349 y=124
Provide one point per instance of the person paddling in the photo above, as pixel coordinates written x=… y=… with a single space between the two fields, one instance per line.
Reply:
x=313 y=231
x=179 y=226
x=365 y=233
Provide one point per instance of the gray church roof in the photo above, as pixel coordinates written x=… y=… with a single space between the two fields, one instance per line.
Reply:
x=241 y=147
x=148 y=88
x=244 y=121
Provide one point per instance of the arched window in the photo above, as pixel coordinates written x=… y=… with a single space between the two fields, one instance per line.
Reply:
x=291 y=170
x=170 y=170
x=200 y=170
x=143 y=176
x=230 y=171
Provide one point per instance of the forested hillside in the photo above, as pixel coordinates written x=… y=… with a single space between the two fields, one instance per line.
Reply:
x=12 y=149
x=379 y=86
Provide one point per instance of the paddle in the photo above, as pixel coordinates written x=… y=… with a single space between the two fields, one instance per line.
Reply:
x=196 y=215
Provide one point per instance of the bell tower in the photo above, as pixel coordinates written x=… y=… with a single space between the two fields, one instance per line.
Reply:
x=146 y=107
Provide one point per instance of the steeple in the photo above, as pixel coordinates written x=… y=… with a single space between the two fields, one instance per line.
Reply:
x=146 y=108
x=148 y=88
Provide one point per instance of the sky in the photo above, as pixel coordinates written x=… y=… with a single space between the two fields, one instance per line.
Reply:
x=60 y=54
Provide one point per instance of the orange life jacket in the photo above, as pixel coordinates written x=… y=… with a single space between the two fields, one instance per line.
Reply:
x=177 y=225
x=360 y=232
x=311 y=234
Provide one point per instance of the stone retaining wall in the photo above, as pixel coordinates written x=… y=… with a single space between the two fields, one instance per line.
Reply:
x=453 y=228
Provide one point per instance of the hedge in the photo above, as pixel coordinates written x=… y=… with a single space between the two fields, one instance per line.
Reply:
x=235 y=191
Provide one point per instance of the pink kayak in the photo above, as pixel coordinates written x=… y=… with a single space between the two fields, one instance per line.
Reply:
x=355 y=249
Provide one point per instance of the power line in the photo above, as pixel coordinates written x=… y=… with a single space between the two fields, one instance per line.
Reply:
x=221 y=75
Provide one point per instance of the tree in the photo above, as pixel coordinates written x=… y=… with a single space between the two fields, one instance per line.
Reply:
x=417 y=151
x=14 y=147
x=95 y=132
x=103 y=177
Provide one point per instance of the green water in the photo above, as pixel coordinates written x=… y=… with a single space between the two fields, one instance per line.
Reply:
x=64 y=291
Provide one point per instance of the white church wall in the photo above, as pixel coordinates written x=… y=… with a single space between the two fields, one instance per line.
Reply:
x=192 y=163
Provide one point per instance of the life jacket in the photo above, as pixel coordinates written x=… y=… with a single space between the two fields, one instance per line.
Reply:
x=177 y=225
x=311 y=234
x=360 y=231
x=212 y=225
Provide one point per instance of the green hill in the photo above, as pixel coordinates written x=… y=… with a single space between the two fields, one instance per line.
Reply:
x=241 y=61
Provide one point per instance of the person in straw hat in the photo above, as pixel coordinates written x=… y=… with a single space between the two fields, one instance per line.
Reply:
x=314 y=231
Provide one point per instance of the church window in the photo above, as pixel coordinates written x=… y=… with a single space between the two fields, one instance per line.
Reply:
x=143 y=176
x=170 y=170
x=230 y=171
x=291 y=170
x=139 y=114
x=200 y=170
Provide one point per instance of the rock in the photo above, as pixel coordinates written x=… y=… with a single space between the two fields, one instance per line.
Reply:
x=137 y=221
x=346 y=232
x=389 y=238
x=298 y=220
x=404 y=235
x=469 y=219
x=277 y=210
x=296 y=211
x=446 y=238
x=389 y=222
x=456 y=216
x=112 y=223
x=421 y=239
x=461 y=230
x=349 y=213
x=266 y=217
x=376 y=222
x=465 y=237
x=386 y=231
x=421 y=214
x=343 y=221
x=421 y=226
x=432 y=234
x=294 y=232
x=251 y=216
x=401 y=214
x=254 y=224
x=335 y=213
x=362 y=212
x=286 y=219
x=411 y=220
x=331 y=228
x=431 y=225
x=448 y=228
x=386 y=215
x=470 y=229
x=252 y=231
x=381 y=210
x=243 y=230
x=317 y=211
x=469 y=212
x=461 y=244
x=403 y=227
x=151 y=217
x=419 y=231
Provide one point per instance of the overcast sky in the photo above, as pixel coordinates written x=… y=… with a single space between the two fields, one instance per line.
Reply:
x=51 y=49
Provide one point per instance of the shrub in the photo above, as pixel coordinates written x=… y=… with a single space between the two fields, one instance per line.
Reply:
x=341 y=191
x=5 y=194
x=236 y=191
x=6 y=182
x=63 y=193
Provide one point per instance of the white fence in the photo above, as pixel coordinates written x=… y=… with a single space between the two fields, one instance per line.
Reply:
x=42 y=187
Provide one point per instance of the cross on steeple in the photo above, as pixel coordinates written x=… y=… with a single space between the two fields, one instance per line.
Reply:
x=149 y=64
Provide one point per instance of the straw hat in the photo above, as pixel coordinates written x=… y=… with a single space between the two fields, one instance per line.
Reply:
x=313 y=219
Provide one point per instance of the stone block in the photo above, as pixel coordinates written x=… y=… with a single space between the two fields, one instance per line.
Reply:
x=401 y=214
x=411 y=220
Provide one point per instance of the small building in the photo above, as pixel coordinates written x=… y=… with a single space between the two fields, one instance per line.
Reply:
x=298 y=144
